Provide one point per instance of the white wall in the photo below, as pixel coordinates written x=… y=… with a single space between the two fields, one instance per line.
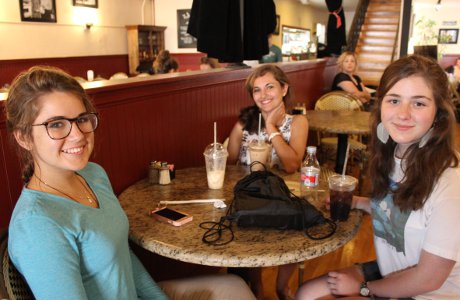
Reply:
x=166 y=15
x=68 y=36
x=447 y=12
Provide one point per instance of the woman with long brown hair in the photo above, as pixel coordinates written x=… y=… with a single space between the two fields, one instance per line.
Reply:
x=415 y=198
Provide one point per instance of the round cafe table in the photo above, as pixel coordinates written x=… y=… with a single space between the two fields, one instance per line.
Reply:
x=251 y=247
x=343 y=123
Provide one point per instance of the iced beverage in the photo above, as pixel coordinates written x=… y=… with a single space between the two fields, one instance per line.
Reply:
x=259 y=151
x=216 y=160
x=341 y=189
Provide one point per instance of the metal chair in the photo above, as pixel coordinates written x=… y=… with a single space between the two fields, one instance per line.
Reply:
x=12 y=284
x=340 y=100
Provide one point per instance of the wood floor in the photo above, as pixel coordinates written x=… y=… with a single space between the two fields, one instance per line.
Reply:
x=360 y=249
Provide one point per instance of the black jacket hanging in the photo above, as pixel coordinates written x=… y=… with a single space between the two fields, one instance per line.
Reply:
x=217 y=27
x=336 y=37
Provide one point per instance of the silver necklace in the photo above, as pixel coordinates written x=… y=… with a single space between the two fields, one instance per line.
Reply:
x=64 y=193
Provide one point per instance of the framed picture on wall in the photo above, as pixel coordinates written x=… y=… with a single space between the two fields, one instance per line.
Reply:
x=448 y=36
x=86 y=3
x=38 y=10
x=184 y=40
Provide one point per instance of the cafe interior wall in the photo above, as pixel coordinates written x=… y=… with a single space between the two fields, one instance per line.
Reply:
x=447 y=17
x=69 y=36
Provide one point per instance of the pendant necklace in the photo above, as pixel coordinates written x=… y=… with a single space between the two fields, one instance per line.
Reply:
x=87 y=192
x=65 y=194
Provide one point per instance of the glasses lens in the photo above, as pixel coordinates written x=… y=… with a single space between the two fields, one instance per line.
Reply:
x=58 y=129
x=87 y=123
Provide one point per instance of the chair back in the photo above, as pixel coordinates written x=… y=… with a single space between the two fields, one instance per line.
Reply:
x=338 y=100
x=119 y=75
x=12 y=284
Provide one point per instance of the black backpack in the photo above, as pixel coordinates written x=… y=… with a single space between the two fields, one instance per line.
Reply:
x=262 y=199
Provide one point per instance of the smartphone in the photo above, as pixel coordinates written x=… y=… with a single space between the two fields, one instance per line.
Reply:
x=171 y=216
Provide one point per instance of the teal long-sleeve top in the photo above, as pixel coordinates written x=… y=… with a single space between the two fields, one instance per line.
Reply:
x=66 y=250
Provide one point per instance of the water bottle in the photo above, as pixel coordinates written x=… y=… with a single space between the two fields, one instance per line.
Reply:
x=309 y=175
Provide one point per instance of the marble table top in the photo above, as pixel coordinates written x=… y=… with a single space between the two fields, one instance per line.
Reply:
x=339 y=121
x=250 y=247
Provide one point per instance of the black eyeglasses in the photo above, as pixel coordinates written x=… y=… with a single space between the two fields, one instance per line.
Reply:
x=59 y=129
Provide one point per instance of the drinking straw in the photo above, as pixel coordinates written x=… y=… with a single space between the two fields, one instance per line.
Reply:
x=346 y=160
x=215 y=137
x=260 y=121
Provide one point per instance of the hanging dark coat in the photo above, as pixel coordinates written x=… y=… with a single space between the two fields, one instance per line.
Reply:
x=336 y=37
x=216 y=26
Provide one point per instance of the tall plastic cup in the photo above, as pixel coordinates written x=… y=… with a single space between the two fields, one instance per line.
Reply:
x=341 y=189
x=259 y=151
x=216 y=161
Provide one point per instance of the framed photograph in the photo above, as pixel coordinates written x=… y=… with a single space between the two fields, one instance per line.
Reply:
x=38 y=10
x=184 y=40
x=86 y=3
x=277 y=28
x=448 y=36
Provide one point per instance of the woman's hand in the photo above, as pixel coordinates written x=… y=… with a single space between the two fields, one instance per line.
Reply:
x=275 y=118
x=345 y=282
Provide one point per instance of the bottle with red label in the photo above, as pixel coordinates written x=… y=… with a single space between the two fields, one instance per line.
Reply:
x=309 y=175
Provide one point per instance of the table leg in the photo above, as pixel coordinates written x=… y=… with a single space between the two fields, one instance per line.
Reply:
x=341 y=152
x=301 y=269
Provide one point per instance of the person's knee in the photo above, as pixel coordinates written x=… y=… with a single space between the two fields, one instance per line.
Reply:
x=314 y=289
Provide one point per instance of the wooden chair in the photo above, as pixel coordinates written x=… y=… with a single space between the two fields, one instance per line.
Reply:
x=12 y=284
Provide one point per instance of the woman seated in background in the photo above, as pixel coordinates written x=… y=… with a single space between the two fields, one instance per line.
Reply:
x=454 y=72
x=164 y=63
x=346 y=80
x=68 y=235
x=268 y=86
x=207 y=63
x=415 y=198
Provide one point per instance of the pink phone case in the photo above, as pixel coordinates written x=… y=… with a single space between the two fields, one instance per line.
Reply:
x=171 y=216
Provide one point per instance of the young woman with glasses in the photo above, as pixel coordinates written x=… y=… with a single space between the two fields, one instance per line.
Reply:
x=68 y=234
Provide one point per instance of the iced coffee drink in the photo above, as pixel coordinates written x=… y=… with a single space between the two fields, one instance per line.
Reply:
x=216 y=160
x=259 y=151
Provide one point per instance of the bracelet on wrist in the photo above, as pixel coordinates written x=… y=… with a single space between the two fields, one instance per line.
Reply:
x=270 y=138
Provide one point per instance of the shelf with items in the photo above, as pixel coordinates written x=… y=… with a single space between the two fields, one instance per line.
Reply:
x=144 y=44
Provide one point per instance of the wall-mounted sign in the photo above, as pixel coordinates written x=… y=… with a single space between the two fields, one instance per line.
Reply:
x=449 y=23
x=184 y=40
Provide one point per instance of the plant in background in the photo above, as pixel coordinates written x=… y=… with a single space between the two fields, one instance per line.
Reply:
x=425 y=32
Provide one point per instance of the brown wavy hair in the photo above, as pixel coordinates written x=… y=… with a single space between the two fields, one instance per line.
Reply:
x=249 y=116
x=423 y=166
x=22 y=107
x=164 y=63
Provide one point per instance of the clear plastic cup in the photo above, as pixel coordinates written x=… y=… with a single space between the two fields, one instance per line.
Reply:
x=216 y=161
x=259 y=151
x=341 y=189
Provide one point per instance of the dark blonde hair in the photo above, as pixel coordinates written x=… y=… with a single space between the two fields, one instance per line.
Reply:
x=22 y=106
x=165 y=63
x=423 y=166
x=249 y=116
x=342 y=58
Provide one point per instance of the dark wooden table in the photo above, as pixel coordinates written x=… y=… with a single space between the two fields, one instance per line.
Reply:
x=341 y=122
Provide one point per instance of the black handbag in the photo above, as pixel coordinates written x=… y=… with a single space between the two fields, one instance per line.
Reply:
x=262 y=199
